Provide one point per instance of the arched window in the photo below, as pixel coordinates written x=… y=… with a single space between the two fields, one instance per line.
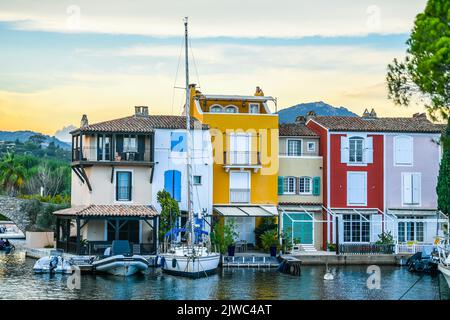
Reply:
x=215 y=108
x=356 y=149
x=231 y=109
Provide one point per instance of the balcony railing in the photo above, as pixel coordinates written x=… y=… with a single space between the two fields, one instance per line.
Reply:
x=245 y=158
x=239 y=195
x=95 y=154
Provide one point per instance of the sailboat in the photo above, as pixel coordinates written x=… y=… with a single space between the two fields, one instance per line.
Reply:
x=444 y=261
x=194 y=259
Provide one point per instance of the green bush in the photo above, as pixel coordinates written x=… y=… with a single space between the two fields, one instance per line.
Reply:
x=269 y=239
x=385 y=238
x=224 y=234
x=266 y=224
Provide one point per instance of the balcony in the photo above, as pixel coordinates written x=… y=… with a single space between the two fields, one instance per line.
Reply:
x=94 y=155
x=242 y=159
x=239 y=195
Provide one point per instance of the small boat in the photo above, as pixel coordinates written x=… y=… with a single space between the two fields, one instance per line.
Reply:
x=118 y=260
x=54 y=263
x=423 y=262
x=444 y=263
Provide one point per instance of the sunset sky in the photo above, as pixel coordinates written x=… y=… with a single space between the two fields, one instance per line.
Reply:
x=60 y=59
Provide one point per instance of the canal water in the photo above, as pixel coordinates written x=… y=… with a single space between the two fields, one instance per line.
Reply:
x=17 y=281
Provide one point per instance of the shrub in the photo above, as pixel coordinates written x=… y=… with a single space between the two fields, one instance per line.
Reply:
x=265 y=225
x=385 y=238
x=269 y=239
x=224 y=234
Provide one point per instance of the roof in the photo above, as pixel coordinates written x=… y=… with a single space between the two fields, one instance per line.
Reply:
x=141 y=124
x=109 y=211
x=233 y=97
x=418 y=124
x=295 y=129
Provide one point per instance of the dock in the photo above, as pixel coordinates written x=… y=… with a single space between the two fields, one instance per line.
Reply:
x=253 y=261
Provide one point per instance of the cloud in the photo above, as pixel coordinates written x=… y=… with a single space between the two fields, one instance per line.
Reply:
x=63 y=134
x=235 y=18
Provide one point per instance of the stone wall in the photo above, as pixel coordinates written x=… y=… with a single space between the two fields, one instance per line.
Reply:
x=10 y=208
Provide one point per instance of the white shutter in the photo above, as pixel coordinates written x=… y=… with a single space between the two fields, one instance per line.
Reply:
x=407 y=188
x=403 y=150
x=341 y=229
x=356 y=188
x=416 y=188
x=344 y=150
x=368 y=151
x=376 y=227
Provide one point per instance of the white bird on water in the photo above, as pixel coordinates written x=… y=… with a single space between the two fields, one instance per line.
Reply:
x=328 y=275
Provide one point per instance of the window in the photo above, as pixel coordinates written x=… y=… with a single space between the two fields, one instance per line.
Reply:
x=357 y=188
x=123 y=186
x=311 y=146
x=231 y=109
x=410 y=230
x=178 y=141
x=289 y=185
x=240 y=149
x=129 y=143
x=216 y=109
x=197 y=180
x=294 y=148
x=253 y=108
x=356 y=149
x=239 y=186
x=411 y=190
x=356 y=228
x=172 y=183
x=403 y=151
x=305 y=185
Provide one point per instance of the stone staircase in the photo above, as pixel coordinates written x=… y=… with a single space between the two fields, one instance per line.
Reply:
x=308 y=248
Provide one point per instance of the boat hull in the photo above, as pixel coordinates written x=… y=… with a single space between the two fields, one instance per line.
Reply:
x=445 y=272
x=43 y=266
x=121 y=265
x=197 y=267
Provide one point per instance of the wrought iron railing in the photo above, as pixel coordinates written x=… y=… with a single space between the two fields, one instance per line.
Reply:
x=239 y=195
x=95 y=154
x=366 y=248
x=248 y=158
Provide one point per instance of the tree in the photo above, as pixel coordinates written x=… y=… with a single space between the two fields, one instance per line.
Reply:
x=37 y=139
x=443 y=185
x=170 y=212
x=12 y=174
x=425 y=72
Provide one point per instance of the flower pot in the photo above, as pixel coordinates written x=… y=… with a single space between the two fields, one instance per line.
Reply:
x=231 y=250
x=273 y=251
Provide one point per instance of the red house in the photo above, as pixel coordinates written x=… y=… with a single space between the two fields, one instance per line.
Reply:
x=353 y=186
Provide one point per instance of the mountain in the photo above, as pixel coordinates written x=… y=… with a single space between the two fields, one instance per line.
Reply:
x=321 y=108
x=23 y=136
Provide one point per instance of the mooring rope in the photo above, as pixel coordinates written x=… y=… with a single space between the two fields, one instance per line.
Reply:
x=411 y=287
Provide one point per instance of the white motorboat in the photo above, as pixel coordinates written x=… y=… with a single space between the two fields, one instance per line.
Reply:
x=193 y=259
x=118 y=260
x=444 y=263
x=53 y=264
x=120 y=265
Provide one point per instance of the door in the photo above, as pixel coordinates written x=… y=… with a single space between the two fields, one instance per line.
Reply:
x=245 y=227
x=299 y=226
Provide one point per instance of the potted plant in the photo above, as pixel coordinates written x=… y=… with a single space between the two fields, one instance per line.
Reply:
x=331 y=247
x=224 y=236
x=269 y=241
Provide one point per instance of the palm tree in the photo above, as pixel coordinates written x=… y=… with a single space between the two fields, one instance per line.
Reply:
x=12 y=174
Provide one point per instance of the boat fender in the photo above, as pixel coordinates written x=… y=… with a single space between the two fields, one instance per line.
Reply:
x=174 y=263
x=162 y=262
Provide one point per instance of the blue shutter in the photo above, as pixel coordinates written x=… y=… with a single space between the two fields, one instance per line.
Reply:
x=168 y=182
x=280 y=185
x=316 y=186
x=177 y=185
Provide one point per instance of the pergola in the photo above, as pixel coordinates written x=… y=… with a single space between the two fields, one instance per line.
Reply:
x=116 y=217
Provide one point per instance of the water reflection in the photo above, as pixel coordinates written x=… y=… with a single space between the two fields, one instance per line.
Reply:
x=17 y=281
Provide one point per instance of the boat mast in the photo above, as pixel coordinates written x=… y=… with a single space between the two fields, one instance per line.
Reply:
x=188 y=138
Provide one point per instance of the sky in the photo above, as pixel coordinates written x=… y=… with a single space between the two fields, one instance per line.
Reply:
x=61 y=59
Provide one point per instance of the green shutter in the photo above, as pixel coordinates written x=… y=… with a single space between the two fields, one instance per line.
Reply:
x=280 y=185
x=316 y=186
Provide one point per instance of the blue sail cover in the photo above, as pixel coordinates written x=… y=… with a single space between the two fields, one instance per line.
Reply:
x=175 y=231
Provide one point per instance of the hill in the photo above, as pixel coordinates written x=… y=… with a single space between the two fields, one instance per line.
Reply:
x=321 y=108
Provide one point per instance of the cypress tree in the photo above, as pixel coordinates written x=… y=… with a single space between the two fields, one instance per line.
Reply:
x=443 y=185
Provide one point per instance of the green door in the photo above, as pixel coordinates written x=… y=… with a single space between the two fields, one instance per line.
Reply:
x=299 y=226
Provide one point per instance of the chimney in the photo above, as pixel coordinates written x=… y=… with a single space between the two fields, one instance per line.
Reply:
x=366 y=114
x=300 y=120
x=259 y=92
x=373 y=114
x=141 y=111
x=311 y=114
x=419 y=115
x=84 y=121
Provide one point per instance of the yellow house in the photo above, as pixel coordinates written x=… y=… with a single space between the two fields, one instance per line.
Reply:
x=244 y=135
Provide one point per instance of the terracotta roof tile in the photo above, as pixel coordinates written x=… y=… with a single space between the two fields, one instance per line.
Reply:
x=295 y=129
x=109 y=211
x=141 y=124
x=413 y=124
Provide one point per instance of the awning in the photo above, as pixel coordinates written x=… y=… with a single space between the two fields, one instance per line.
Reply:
x=246 y=211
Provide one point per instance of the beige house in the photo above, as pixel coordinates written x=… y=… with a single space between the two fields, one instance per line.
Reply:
x=299 y=185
